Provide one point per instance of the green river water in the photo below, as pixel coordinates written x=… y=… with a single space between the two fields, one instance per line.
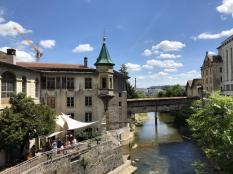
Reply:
x=162 y=150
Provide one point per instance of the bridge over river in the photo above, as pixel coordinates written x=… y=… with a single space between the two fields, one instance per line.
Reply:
x=164 y=104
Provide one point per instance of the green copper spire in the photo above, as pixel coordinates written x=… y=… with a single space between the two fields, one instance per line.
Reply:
x=104 y=57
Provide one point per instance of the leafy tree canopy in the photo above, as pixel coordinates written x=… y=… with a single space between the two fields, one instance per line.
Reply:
x=123 y=69
x=23 y=121
x=172 y=91
x=212 y=126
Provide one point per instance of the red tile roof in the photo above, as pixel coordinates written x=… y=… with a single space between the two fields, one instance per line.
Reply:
x=52 y=66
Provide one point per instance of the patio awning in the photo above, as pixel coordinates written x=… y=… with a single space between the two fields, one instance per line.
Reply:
x=66 y=123
x=54 y=134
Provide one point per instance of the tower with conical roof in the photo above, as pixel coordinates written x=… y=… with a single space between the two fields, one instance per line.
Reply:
x=104 y=66
x=104 y=58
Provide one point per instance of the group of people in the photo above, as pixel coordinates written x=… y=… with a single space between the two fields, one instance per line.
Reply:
x=57 y=145
x=54 y=145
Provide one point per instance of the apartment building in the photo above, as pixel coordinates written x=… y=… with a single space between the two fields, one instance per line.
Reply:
x=211 y=72
x=225 y=51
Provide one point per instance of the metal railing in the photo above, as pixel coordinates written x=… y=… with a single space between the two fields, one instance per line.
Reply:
x=54 y=154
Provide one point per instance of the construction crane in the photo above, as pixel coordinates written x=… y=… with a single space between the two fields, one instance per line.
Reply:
x=39 y=54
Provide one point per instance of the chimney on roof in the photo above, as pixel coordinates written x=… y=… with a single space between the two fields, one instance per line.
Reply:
x=85 y=62
x=9 y=57
x=11 y=51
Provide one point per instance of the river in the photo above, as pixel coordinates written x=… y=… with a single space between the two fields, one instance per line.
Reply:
x=163 y=150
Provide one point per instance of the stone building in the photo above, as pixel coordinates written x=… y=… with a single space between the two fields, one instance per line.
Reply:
x=225 y=51
x=87 y=94
x=194 y=88
x=211 y=72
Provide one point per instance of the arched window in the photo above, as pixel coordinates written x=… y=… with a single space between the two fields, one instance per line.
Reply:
x=37 y=88
x=24 y=85
x=8 y=84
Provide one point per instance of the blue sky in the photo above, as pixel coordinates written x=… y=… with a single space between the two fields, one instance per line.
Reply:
x=161 y=41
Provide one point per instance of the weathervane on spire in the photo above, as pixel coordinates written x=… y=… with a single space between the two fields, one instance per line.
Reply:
x=104 y=37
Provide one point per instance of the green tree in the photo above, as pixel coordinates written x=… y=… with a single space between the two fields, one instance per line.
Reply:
x=172 y=91
x=140 y=94
x=23 y=121
x=212 y=126
x=123 y=70
x=131 y=92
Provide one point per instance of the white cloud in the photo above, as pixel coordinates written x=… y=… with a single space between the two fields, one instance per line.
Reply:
x=47 y=43
x=167 y=45
x=189 y=75
x=162 y=73
x=7 y=29
x=146 y=66
x=208 y=35
x=169 y=56
x=2 y=19
x=226 y=7
x=170 y=69
x=81 y=48
x=149 y=72
x=24 y=42
x=140 y=77
x=162 y=78
x=211 y=53
x=156 y=52
x=169 y=64
x=147 y=52
x=133 y=67
x=21 y=56
x=164 y=46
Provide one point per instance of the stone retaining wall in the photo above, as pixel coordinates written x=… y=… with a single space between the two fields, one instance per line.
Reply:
x=97 y=160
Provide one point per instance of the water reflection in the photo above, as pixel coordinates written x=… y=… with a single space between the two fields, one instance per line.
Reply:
x=164 y=132
x=163 y=151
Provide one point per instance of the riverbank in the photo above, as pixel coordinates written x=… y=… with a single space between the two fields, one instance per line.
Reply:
x=126 y=168
x=140 y=118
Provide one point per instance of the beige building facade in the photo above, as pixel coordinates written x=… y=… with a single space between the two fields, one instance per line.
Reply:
x=225 y=51
x=87 y=94
x=194 y=88
x=211 y=72
x=16 y=79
